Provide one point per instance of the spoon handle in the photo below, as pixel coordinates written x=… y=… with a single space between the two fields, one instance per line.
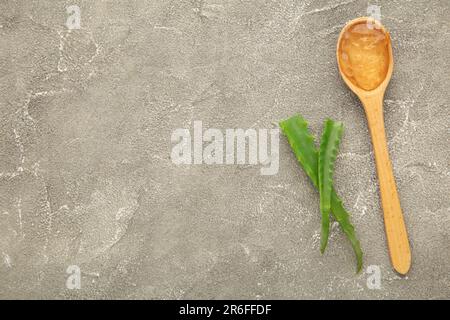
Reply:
x=396 y=233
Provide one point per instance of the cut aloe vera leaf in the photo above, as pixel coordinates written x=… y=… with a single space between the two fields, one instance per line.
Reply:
x=343 y=218
x=302 y=144
x=329 y=145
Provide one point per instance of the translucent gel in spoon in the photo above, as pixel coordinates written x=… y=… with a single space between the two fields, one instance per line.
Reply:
x=364 y=55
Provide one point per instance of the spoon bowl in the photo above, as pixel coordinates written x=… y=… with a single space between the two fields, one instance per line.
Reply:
x=381 y=88
x=365 y=61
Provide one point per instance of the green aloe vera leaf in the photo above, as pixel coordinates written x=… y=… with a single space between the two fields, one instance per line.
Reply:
x=302 y=144
x=329 y=145
x=343 y=218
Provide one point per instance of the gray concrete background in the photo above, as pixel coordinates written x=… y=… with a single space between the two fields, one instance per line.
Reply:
x=85 y=172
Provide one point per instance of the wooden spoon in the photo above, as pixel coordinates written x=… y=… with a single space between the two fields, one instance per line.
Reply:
x=367 y=70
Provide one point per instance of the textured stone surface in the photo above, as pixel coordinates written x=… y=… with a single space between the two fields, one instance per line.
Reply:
x=85 y=172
